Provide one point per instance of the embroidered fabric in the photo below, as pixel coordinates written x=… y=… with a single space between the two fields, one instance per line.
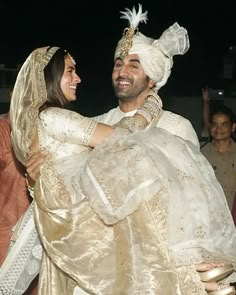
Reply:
x=24 y=259
x=125 y=182
x=132 y=124
x=185 y=227
x=26 y=101
x=171 y=122
x=178 y=174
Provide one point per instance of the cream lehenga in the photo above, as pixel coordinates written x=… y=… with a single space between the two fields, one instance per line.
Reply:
x=132 y=216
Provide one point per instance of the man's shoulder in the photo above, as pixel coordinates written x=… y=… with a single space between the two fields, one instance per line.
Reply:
x=179 y=126
x=111 y=111
x=110 y=116
x=174 y=116
x=175 y=120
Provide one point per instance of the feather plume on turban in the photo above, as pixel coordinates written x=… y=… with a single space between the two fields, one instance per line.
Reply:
x=156 y=56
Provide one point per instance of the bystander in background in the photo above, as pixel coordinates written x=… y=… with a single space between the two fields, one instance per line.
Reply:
x=220 y=148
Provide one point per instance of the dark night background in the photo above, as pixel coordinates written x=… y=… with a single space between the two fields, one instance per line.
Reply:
x=90 y=31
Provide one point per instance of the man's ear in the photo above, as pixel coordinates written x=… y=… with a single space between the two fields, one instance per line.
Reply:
x=233 y=127
x=151 y=83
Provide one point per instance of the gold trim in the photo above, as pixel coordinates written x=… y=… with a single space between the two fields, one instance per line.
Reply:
x=127 y=41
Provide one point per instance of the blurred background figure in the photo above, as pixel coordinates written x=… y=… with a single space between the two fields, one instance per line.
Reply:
x=14 y=196
x=220 y=148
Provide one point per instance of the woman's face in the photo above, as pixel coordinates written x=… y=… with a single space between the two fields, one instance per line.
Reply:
x=69 y=80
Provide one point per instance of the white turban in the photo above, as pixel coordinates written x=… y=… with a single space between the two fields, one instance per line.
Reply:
x=156 y=56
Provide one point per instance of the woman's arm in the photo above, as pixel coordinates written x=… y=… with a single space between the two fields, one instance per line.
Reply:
x=70 y=127
x=97 y=131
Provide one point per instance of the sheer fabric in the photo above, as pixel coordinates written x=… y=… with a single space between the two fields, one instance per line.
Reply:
x=23 y=262
x=28 y=95
x=147 y=208
x=154 y=165
x=127 y=258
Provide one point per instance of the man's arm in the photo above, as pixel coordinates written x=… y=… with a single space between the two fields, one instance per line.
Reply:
x=33 y=165
x=205 y=111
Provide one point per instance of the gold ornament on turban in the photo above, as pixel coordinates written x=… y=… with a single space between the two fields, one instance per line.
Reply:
x=134 y=19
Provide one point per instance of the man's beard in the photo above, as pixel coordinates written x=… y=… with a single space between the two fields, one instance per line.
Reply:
x=131 y=93
x=124 y=97
x=127 y=95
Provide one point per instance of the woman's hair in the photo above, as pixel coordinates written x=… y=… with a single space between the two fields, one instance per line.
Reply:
x=53 y=73
x=224 y=110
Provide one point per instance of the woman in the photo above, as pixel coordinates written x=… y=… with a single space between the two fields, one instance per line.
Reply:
x=41 y=104
x=75 y=203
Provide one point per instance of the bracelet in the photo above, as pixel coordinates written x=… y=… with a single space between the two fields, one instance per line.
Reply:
x=131 y=123
x=151 y=107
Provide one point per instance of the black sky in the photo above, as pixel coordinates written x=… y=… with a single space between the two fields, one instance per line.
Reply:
x=90 y=31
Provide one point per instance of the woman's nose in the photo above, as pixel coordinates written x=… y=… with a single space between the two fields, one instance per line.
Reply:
x=77 y=79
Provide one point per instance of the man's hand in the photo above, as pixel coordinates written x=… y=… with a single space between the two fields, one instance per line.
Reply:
x=205 y=111
x=33 y=166
x=205 y=94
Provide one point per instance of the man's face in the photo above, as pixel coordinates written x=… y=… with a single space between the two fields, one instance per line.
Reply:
x=129 y=80
x=221 y=127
